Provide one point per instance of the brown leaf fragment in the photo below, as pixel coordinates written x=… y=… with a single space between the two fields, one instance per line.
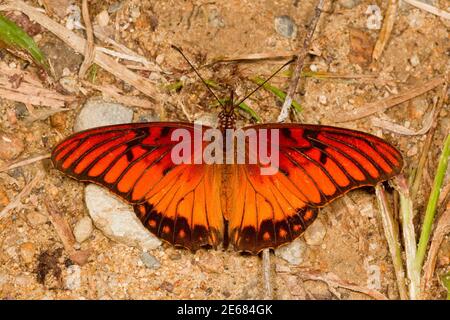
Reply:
x=361 y=47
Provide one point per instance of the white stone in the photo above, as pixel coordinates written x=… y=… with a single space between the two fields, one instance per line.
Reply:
x=73 y=279
x=83 y=229
x=315 y=233
x=414 y=60
x=323 y=99
x=97 y=112
x=117 y=220
x=292 y=252
x=103 y=18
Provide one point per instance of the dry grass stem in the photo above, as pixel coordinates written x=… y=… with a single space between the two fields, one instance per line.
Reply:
x=383 y=104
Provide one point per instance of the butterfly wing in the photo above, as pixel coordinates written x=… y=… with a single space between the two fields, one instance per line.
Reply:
x=135 y=162
x=317 y=164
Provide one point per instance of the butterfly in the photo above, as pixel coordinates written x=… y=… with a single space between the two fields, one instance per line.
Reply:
x=199 y=204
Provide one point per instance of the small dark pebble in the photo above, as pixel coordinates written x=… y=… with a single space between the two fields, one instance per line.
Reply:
x=175 y=256
x=226 y=293
x=166 y=286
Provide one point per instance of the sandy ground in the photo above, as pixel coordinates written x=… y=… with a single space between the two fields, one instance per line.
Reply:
x=353 y=249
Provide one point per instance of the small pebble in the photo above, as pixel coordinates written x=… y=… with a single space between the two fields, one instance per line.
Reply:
x=36 y=219
x=414 y=60
x=160 y=58
x=73 y=279
x=70 y=84
x=97 y=112
x=349 y=4
x=150 y=261
x=315 y=233
x=103 y=18
x=175 y=256
x=375 y=18
x=412 y=151
x=285 y=26
x=58 y=121
x=215 y=20
x=323 y=100
x=292 y=252
x=135 y=13
x=10 y=146
x=27 y=252
x=167 y=286
x=83 y=229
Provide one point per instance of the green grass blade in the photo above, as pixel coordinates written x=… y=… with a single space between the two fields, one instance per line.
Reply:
x=20 y=43
x=432 y=204
x=277 y=92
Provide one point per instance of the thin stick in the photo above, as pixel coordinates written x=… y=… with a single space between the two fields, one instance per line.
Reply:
x=268 y=292
x=333 y=281
x=391 y=233
x=89 y=50
x=114 y=93
x=78 y=44
x=24 y=162
x=25 y=191
x=383 y=104
x=429 y=8
x=300 y=62
x=427 y=144
x=385 y=33
x=64 y=232
x=409 y=236
x=127 y=54
x=442 y=228
x=432 y=204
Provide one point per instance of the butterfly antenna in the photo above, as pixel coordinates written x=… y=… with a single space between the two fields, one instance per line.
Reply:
x=198 y=74
x=267 y=80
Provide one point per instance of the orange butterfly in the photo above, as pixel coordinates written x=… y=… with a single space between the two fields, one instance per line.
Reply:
x=199 y=204
x=194 y=205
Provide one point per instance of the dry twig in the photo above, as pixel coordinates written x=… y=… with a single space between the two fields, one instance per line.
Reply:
x=64 y=232
x=390 y=228
x=24 y=162
x=383 y=104
x=429 y=8
x=111 y=91
x=89 y=50
x=78 y=44
x=334 y=282
x=25 y=192
x=299 y=64
x=268 y=292
x=442 y=228
x=427 y=145
x=29 y=90
x=385 y=33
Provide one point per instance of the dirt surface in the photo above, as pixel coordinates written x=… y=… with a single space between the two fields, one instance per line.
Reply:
x=32 y=262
